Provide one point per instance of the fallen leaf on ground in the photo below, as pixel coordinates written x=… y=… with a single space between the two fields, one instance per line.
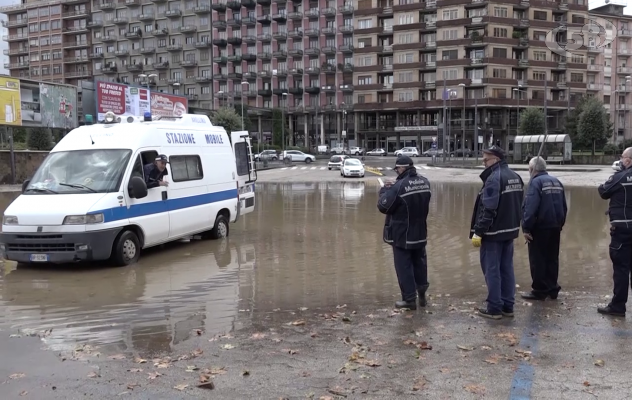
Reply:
x=346 y=319
x=245 y=373
x=342 y=306
x=258 y=335
x=139 y=360
x=338 y=391
x=493 y=359
x=600 y=363
x=207 y=385
x=369 y=363
x=17 y=376
x=24 y=393
x=314 y=335
x=117 y=357
x=14 y=336
x=325 y=398
x=466 y=348
x=586 y=383
x=419 y=383
x=131 y=386
x=181 y=386
x=424 y=346
x=444 y=370
x=228 y=346
x=191 y=368
x=214 y=371
x=135 y=370
x=305 y=374
x=485 y=348
x=153 y=375
x=161 y=365
x=199 y=332
x=509 y=337
x=419 y=333
x=93 y=375
x=290 y=351
x=197 y=352
x=298 y=322
x=303 y=308
x=476 y=389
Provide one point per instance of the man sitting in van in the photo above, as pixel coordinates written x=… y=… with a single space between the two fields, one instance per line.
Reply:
x=155 y=171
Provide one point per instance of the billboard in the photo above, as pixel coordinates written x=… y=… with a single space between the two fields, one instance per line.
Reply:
x=10 y=103
x=58 y=106
x=121 y=99
x=168 y=104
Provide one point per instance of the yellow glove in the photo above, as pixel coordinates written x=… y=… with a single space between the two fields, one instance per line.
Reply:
x=476 y=240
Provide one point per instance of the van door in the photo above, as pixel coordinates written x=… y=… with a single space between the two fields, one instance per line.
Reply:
x=150 y=213
x=246 y=172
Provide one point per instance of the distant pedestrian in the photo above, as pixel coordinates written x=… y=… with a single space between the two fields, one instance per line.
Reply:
x=495 y=226
x=406 y=203
x=618 y=189
x=543 y=216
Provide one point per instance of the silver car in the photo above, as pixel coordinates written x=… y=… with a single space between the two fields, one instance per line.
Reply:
x=335 y=162
x=377 y=152
x=299 y=156
x=408 y=151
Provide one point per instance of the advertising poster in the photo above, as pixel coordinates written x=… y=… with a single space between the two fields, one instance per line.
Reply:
x=10 y=103
x=121 y=99
x=57 y=106
x=168 y=104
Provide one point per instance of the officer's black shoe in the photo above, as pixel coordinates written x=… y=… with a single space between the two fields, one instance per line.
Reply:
x=421 y=292
x=553 y=294
x=411 y=305
x=609 y=311
x=532 y=296
x=485 y=313
x=508 y=313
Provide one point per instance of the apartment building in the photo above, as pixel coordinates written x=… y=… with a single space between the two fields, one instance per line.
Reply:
x=492 y=58
x=48 y=40
x=610 y=67
x=295 y=55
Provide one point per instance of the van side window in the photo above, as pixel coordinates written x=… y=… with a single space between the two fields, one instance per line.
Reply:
x=241 y=156
x=138 y=168
x=186 y=168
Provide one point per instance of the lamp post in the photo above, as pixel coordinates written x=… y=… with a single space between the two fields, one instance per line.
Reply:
x=243 y=126
x=519 y=94
x=344 y=129
x=284 y=97
x=627 y=80
x=463 y=124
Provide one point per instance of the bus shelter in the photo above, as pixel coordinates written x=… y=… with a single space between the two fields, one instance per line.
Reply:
x=558 y=148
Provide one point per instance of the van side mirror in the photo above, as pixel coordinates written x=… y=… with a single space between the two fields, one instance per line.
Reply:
x=137 y=188
x=25 y=184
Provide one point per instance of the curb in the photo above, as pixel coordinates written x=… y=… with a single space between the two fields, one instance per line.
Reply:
x=373 y=171
x=553 y=169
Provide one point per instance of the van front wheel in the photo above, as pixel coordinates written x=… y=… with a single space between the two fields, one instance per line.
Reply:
x=126 y=249
x=220 y=229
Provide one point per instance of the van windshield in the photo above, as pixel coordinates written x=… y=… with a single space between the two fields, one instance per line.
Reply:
x=80 y=171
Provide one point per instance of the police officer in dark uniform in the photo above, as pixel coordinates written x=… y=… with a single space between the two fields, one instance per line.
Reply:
x=618 y=189
x=406 y=203
x=495 y=226
x=155 y=171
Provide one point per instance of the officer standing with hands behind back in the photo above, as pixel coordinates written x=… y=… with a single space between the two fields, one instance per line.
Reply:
x=406 y=203
x=618 y=189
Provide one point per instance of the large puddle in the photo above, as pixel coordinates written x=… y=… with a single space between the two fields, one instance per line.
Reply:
x=306 y=245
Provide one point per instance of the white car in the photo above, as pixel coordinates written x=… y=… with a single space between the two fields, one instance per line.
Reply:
x=616 y=165
x=352 y=167
x=377 y=152
x=335 y=162
x=299 y=156
x=408 y=151
x=356 y=150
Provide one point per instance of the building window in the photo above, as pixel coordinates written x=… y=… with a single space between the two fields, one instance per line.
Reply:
x=365 y=80
x=405 y=77
x=186 y=168
x=500 y=73
x=406 y=19
x=365 y=23
x=366 y=61
x=450 y=14
x=405 y=58
x=577 y=77
x=579 y=59
x=539 y=35
x=539 y=55
x=500 y=32
x=405 y=96
x=539 y=15
x=500 y=12
x=405 y=38
x=499 y=93
x=499 y=52
x=449 y=54
x=451 y=34
x=539 y=75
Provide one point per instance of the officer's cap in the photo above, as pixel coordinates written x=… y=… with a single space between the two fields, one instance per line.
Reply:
x=403 y=161
x=496 y=152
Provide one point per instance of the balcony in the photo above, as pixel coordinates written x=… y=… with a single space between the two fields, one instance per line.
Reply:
x=220 y=60
x=78 y=74
x=249 y=39
x=19 y=65
x=233 y=22
x=173 y=14
x=282 y=36
x=524 y=23
x=625 y=33
x=312 y=32
x=346 y=48
x=220 y=77
x=249 y=21
x=346 y=10
x=202 y=10
x=174 y=81
x=250 y=93
x=280 y=54
x=295 y=91
x=281 y=73
x=312 y=13
x=264 y=2
x=624 y=70
x=234 y=58
x=346 y=88
x=345 y=29
x=95 y=24
x=279 y=92
x=329 y=107
x=312 y=51
x=296 y=16
x=328 y=68
x=78 y=43
x=264 y=56
x=234 y=5
x=328 y=31
x=188 y=63
x=328 y=89
x=220 y=42
x=250 y=75
x=147 y=50
x=295 y=109
x=346 y=67
x=95 y=56
x=264 y=37
x=235 y=75
x=19 y=22
x=134 y=67
x=174 y=47
x=280 y=17
x=249 y=3
x=202 y=79
x=312 y=89
x=264 y=19
x=265 y=92
x=10 y=38
x=249 y=57
x=147 y=17
x=219 y=6
x=329 y=50
x=295 y=53
x=234 y=40
x=109 y=38
x=219 y=24
x=133 y=35
x=559 y=66
x=107 y=6
x=121 y=21
x=296 y=72
x=595 y=49
x=188 y=29
x=313 y=70
x=14 y=52
x=202 y=45
x=108 y=70
x=121 y=53
x=523 y=63
x=295 y=34
x=161 y=65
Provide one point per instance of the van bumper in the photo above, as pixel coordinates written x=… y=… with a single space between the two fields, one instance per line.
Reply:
x=58 y=248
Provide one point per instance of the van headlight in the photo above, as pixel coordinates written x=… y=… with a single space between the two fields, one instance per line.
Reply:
x=9 y=220
x=83 y=219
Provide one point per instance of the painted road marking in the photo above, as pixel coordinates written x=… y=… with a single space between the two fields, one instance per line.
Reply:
x=313 y=168
x=322 y=168
x=303 y=167
x=294 y=168
x=283 y=169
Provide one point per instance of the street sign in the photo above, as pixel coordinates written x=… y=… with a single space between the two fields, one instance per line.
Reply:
x=344 y=133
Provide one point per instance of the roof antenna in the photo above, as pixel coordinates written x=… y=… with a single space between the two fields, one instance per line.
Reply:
x=91 y=139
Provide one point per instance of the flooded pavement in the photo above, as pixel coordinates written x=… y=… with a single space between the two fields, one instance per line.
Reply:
x=313 y=245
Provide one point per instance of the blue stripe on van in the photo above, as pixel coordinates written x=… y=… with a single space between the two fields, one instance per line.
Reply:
x=140 y=210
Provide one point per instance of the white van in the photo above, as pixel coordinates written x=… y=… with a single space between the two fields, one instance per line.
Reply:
x=89 y=200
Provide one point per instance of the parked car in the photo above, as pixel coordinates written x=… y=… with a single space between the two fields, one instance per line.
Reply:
x=271 y=155
x=461 y=152
x=432 y=152
x=352 y=167
x=299 y=156
x=358 y=151
x=335 y=162
x=616 y=165
x=377 y=152
x=408 y=151
x=339 y=150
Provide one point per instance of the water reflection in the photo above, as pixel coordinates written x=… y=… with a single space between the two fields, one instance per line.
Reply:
x=312 y=245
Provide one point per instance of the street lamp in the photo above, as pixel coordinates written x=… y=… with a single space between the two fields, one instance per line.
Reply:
x=519 y=93
x=463 y=124
x=625 y=94
x=344 y=129
x=283 y=95
x=242 y=104
x=147 y=78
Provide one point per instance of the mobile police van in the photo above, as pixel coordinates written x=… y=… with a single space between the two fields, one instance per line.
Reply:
x=89 y=200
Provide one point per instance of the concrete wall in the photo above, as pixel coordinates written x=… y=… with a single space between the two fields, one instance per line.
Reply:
x=26 y=163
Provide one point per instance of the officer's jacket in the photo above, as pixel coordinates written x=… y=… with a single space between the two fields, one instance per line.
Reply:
x=406 y=205
x=498 y=205
x=618 y=189
x=544 y=207
x=153 y=175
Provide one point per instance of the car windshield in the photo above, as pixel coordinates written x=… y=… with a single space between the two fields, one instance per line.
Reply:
x=352 y=161
x=334 y=159
x=80 y=171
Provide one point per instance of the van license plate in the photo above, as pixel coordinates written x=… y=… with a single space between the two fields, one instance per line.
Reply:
x=39 y=257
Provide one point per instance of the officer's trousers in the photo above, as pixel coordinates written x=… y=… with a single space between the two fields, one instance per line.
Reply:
x=544 y=256
x=411 y=267
x=497 y=265
x=621 y=256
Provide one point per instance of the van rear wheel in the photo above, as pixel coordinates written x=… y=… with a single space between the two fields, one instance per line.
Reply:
x=220 y=229
x=126 y=249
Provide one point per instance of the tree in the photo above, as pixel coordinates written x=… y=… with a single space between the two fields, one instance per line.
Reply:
x=19 y=135
x=572 y=119
x=592 y=126
x=247 y=121
x=40 y=139
x=277 y=127
x=227 y=118
x=532 y=121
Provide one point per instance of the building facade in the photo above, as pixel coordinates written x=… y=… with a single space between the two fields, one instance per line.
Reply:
x=610 y=68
